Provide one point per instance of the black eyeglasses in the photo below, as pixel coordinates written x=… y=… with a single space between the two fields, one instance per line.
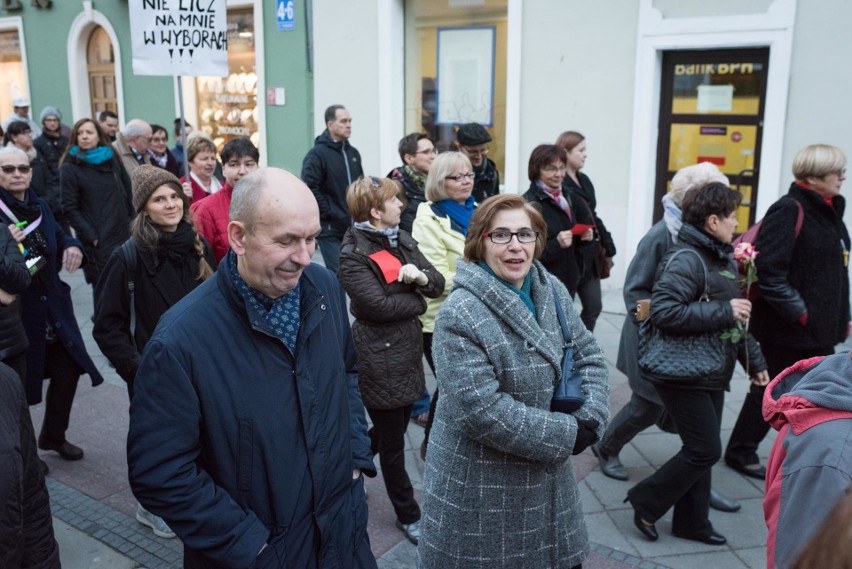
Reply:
x=9 y=169
x=503 y=236
x=460 y=177
x=433 y=151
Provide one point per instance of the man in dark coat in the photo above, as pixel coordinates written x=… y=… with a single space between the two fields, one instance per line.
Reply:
x=26 y=527
x=254 y=454
x=328 y=169
x=417 y=153
x=472 y=140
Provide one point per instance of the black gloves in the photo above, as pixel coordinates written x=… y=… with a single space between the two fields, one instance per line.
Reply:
x=586 y=435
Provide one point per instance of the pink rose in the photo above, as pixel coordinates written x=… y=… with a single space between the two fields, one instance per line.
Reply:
x=745 y=253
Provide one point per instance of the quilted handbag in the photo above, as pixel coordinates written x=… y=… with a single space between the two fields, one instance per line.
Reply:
x=568 y=395
x=670 y=357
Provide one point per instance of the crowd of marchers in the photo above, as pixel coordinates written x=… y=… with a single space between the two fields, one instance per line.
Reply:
x=250 y=391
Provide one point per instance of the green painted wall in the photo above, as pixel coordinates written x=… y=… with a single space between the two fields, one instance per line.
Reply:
x=284 y=64
x=289 y=128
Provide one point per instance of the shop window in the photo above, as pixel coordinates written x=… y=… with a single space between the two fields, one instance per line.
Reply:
x=100 y=60
x=12 y=72
x=227 y=106
x=455 y=69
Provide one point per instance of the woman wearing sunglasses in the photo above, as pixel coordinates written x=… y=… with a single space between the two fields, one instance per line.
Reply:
x=95 y=195
x=56 y=349
x=44 y=182
x=440 y=228
x=387 y=278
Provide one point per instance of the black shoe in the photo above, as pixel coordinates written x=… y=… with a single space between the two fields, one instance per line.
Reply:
x=710 y=538
x=754 y=470
x=610 y=465
x=646 y=529
x=723 y=503
x=65 y=449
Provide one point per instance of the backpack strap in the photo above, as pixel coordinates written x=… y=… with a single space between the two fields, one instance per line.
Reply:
x=129 y=256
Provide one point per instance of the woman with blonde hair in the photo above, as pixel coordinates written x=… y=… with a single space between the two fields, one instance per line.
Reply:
x=164 y=259
x=439 y=228
x=201 y=156
x=387 y=277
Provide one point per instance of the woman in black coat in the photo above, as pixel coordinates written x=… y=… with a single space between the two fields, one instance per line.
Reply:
x=44 y=181
x=56 y=348
x=546 y=173
x=95 y=192
x=698 y=261
x=582 y=192
x=386 y=278
x=803 y=279
x=164 y=259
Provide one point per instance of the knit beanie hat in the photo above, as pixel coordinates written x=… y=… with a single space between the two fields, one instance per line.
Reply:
x=49 y=112
x=146 y=179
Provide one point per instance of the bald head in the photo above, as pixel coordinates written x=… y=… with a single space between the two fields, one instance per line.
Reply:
x=273 y=229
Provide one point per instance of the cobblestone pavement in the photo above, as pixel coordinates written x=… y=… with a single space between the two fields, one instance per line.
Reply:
x=94 y=509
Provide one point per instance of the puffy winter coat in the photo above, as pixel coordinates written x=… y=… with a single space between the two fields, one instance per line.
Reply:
x=96 y=201
x=14 y=279
x=50 y=302
x=676 y=306
x=499 y=488
x=328 y=169
x=387 y=333
x=26 y=528
x=810 y=465
x=211 y=216
x=562 y=263
x=237 y=441
x=802 y=275
x=442 y=246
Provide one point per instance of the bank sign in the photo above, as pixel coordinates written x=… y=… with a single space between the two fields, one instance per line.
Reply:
x=179 y=37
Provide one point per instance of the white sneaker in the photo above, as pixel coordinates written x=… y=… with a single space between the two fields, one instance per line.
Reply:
x=411 y=531
x=156 y=523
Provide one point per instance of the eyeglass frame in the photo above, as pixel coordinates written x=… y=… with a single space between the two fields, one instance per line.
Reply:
x=9 y=169
x=515 y=234
x=551 y=169
x=480 y=152
x=433 y=151
x=458 y=178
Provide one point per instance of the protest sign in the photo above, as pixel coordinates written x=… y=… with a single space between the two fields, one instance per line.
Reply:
x=179 y=37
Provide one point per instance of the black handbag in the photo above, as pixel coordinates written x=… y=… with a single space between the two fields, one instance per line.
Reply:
x=671 y=357
x=568 y=395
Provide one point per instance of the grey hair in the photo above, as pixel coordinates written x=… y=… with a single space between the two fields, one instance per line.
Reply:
x=12 y=150
x=695 y=176
x=245 y=200
x=134 y=128
x=444 y=165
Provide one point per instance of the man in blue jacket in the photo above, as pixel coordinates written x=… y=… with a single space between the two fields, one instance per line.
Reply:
x=247 y=430
x=328 y=169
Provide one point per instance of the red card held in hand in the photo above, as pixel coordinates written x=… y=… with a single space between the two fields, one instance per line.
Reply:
x=580 y=228
x=389 y=264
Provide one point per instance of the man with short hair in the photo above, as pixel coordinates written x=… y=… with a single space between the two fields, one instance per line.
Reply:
x=132 y=143
x=417 y=153
x=52 y=143
x=472 y=140
x=251 y=442
x=211 y=215
x=109 y=122
x=328 y=169
x=21 y=112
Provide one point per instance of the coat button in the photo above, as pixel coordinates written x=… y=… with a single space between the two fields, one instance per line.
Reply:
x=58 y=325
x=322 y=306
x=387 y=344
x=43 y=298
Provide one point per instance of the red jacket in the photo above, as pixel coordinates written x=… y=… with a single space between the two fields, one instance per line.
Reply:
x=198 y=193
x=211 y=219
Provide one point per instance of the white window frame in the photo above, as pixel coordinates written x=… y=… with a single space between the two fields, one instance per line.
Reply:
x=190 y=93
x=774 y=30
x=16 y=23
x=78 y=73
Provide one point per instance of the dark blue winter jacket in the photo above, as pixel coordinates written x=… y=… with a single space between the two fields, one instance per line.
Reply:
x=236 y=442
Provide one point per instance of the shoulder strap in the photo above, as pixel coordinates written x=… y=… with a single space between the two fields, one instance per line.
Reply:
x=129 y=255
x=706 y=295
x=566 y=332
x=800 y=219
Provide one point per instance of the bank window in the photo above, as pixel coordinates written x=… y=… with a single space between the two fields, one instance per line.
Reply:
x=227 y=106
x=455 y=70
x=12 y=72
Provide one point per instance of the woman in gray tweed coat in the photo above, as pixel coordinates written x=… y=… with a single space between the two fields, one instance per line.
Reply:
x=499 y=490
